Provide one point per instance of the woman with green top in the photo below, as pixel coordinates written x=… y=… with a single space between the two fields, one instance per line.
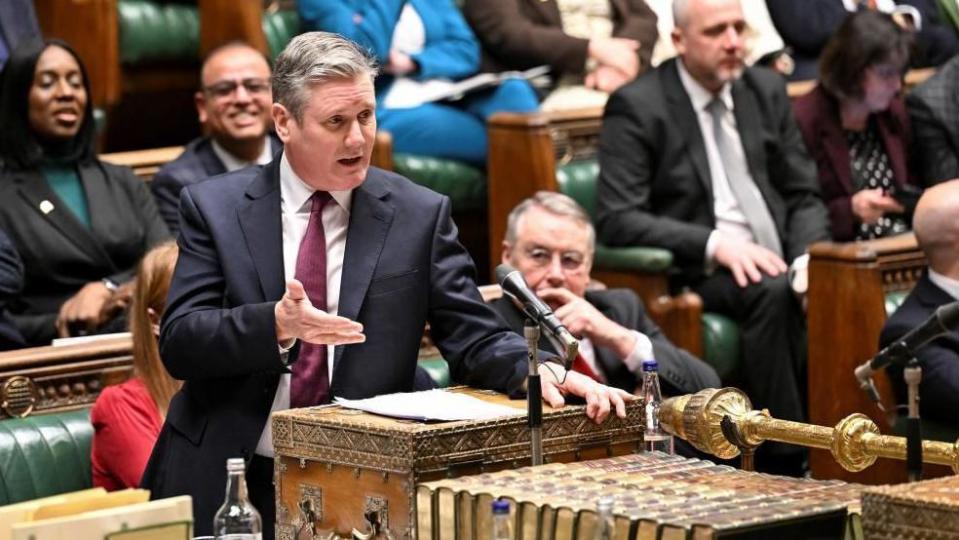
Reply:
x=79 y=225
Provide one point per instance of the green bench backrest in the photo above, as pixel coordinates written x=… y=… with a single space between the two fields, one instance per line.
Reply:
x=44 y=455
x=153 y=31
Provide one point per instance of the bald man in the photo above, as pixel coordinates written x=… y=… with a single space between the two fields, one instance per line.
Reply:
x=233 y=106
x=937 y=230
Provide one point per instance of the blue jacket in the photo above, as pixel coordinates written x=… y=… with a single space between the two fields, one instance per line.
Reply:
x=451 y=50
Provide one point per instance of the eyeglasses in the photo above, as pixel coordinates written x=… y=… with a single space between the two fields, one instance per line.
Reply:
x=225 y=89
x=568 y=260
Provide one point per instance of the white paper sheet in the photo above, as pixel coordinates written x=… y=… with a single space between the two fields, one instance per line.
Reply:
x=430 y=405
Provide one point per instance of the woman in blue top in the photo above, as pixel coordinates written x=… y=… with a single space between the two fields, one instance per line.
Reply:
x=418 y=41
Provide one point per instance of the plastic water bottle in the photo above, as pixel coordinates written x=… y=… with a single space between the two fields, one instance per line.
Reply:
x=237 y=519
x=654 y=438
x=501 y=528
x=604 y=519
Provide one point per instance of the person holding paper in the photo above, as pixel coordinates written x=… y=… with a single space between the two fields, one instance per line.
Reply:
x=314 y=277
x=421 y=44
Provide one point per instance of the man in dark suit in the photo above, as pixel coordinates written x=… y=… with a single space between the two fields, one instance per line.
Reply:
x=368 y=258
x=233 y=106
x=937 y=231
x=521 y=34
x=702 y=157
x=934 y=111
x=550 y=240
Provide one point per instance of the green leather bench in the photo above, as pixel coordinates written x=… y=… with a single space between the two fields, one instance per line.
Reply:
x=44 y=455
x=154 y=31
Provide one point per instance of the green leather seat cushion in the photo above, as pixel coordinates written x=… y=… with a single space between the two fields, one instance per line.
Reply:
x=44 y=455
x=463 y=184
x=894 y=300
x=151 y=30
x=721 y=345
x=438 y=370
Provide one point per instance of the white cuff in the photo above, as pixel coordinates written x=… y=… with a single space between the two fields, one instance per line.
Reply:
x=709 y=263
x=643 y=350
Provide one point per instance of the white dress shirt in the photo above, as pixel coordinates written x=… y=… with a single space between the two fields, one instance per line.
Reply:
x=295 y=208
x=233 y=163
x=730 y=220
x=642 y=350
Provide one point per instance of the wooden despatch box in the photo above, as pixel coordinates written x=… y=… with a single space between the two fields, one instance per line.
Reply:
x=339 y=469
x=918 y=511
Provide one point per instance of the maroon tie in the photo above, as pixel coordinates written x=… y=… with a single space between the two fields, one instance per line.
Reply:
x=580 y=365
x=310 y=384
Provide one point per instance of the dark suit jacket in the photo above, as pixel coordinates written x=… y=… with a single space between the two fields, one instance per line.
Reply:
x=11 y=281
x=520 y=34
x=679 y=371
x=60 y=255
x=807 y=25
x=402 y=267
x=817 y=114
x=934 y=109
x=197 y=163
x=939 y=389
x=655 y=187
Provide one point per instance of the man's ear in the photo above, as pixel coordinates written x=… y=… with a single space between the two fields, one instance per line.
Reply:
x=199 y=99
x=507 y=252
x=678 y=41
x=281 y=122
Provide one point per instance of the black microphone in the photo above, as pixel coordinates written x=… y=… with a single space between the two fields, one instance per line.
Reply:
x=943 y=321
x=513 y=284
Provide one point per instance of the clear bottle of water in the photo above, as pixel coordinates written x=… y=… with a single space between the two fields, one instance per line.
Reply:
x=654 y=438
x=501 y=525
x=604 y=519
x=237 y=519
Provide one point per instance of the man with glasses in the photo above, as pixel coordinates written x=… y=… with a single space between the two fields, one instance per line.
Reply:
x=550 y=240
x=233 y=106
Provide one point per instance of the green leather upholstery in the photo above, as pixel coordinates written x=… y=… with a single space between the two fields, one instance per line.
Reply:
x=578 y=180
x=153 y=31
x=721 y=344
x=894 y=300
x=279 y=28
x=438 y=370
x=463 y=184
x=44 y=455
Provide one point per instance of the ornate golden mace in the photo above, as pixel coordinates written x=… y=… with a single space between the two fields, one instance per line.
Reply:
x=710 y=418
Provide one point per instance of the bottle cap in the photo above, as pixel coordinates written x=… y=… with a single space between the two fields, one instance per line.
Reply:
x=650 y=365
x=604 y=503
x=235 y=464
x=500 y=506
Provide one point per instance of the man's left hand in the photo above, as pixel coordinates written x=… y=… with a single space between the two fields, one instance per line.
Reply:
x=582 y=319
x=600 y=399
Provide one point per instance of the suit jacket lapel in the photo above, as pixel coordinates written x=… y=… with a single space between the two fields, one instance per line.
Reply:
x=370 y=219
x=681 y=110
x=209 y=160
x=929 y=294
x=260 y=222
x=35 y=190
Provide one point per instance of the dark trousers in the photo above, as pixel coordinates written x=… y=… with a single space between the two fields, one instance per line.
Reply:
x=259 y=482
x=773 y=341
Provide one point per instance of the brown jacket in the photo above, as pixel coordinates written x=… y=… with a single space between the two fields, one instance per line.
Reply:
x=520 y=34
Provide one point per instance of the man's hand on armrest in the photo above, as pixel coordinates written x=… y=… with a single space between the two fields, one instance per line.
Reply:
x=747 y=261
x=600 y=399
x=296 y=318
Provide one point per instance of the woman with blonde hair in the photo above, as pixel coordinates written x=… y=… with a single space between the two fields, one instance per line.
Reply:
x=127 y=417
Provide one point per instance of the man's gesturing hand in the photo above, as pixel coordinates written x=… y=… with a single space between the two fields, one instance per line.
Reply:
x=296 y=318
x=600 y=399
x=582 y=319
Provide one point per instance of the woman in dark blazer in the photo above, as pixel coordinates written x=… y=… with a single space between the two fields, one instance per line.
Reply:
x=855 y=126
x=79 y=225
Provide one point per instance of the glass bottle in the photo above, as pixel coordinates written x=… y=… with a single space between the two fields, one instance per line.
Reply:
x=604 y=519
x=501 y=525
x=237 y=519
x=654 y=438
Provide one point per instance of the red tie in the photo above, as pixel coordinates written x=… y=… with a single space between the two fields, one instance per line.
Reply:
x=310 y=384
x=580 y=365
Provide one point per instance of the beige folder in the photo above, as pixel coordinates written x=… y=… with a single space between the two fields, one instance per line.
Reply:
x=171 y=518
x=23 y=511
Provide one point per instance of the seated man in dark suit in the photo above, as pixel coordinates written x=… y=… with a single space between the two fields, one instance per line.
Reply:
x=934 y=113
x=234 y=109
x=550 y=240
x=11 y=282
x=314 y=277
x=702 y=156
x=937 y=231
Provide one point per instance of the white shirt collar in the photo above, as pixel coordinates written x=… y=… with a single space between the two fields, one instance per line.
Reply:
x=233 y=163
x=699 y=96
x=945 y=283
x=295 y=193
